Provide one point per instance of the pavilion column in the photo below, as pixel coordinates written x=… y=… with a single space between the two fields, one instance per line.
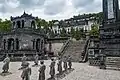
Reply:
x=38 y=42
x=20 y=24
x=4 y=44
x=16 y=44
x=15 y=25
x=40 y=45
x=13 y=44
x=50 y=47
x=34 y=46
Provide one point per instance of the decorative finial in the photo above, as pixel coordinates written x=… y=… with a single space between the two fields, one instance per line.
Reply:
x=24 y=12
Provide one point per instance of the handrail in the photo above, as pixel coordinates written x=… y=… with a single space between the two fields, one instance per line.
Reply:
x=86 y=50
x=64 y=47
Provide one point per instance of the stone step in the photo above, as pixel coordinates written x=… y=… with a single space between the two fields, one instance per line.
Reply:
x=112 y=62
x=74 y=50
x=70 y=51
x=113 y=68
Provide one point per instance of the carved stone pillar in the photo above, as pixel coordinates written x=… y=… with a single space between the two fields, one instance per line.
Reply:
x=16 y=44
x=13 y=42
x=4 y=44
x=20 y=24
x=50 y=47
x=34 y=44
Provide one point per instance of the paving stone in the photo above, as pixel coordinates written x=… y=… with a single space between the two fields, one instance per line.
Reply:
x=82 y=71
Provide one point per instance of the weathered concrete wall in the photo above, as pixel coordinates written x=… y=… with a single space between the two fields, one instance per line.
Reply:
x=55 y=47
x=25 y=40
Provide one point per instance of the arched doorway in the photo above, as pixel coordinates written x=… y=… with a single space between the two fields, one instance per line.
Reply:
x=38 y=45
x=13 y=24
x=17 y=44
x=23 y=23
x=10 y=44
x=33 y=43
x=33 y=24
x=18 y=24
x=42 y=44
x=4 y=45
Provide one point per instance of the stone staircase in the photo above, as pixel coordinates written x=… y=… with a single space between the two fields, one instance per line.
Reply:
x=74 y=49
x=113 y=63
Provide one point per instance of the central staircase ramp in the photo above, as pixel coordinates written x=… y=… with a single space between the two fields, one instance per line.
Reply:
x=74 y=49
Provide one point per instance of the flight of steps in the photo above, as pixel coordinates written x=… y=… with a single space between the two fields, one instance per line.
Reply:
x=113 y=63
x=74 y=49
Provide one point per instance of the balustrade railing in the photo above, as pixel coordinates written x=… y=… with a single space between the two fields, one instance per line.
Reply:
x=85 y=57
x=65 y=45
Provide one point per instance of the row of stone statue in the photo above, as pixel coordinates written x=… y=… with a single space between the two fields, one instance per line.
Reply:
x=27 y=70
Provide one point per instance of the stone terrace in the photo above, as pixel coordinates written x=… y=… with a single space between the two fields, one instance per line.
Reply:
x=82 y=72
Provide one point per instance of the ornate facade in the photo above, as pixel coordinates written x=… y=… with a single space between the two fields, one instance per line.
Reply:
x=23 y=38
x=110 y=29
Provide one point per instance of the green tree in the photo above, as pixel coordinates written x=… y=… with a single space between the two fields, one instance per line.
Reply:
x=72 y=32
x=5 y=26
x=82 y=32
x=77 y=34
x=38 y=20
x=50 y=24
x=52 y=34
x=94 y=30
x=63 y=33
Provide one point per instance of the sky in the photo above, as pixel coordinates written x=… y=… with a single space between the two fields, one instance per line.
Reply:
x=49 y=9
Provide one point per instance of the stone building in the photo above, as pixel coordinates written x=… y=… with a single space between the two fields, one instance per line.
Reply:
x=110 y=29
x=107 y=45
x=80 y=23
x=24 y=37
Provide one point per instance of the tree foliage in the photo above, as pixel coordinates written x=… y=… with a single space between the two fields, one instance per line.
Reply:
x=95 y=30
x=5 y=25
x=72 y=32
x=77 y=34
x=63 y=33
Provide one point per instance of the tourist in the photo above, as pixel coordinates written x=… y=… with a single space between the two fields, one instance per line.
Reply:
x=52 y=68
x=6 y=62
x=26 y=72
x=42 y=71
x=59 y=65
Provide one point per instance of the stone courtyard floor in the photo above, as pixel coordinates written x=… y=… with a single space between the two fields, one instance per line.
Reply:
x=82 y=72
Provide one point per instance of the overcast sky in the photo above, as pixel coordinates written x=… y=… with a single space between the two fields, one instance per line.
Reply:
x=49 y=9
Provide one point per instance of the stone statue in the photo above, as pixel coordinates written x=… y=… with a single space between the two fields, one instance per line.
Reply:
x=42 y=71
x=36 y=59
x=65 y=63
x=102 y=62
x=24 y=58
x=59 y=66
x=26 y=72
x=6 y=62
x=52 y=68
x=69 y=62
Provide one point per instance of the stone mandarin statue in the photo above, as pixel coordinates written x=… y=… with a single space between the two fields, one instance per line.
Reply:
x=59 y=65
x=6 y=62
x=65 y=63
x=24 y=58
x=52 y=68
x=42 y=71
x=36 y=59
x=69 y=62
x=26 y=72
